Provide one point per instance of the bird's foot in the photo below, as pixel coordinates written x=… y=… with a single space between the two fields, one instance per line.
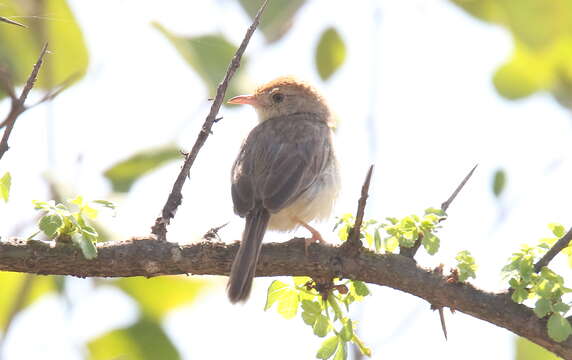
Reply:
x=316 y=236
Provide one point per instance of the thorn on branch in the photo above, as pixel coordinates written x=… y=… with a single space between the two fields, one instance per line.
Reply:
x=159 y=229
x=353 y=243
x=212 y=234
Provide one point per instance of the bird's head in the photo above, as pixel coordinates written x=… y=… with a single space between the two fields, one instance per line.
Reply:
x=285 y=96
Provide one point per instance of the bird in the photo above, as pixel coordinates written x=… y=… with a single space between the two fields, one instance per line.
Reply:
x=286 y=173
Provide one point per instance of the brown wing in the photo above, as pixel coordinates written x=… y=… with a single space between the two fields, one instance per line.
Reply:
x=279 y=160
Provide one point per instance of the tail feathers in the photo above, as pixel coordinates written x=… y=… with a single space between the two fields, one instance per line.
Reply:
x=244 y=266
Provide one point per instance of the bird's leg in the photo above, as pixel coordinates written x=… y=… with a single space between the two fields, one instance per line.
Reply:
x=316 y=236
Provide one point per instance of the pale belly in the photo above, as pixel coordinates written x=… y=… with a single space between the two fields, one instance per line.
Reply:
x=316 y=203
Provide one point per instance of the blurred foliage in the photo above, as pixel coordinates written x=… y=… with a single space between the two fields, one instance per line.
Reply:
x=20 y=47
x=542 y=56
x=499 y=182
x=278 y=16
x=123 y=174
x=330 y=53
x=12 y=285
x=144 y=340
x=209 y=56
x=526 y=350
x=5 y=184
x=157 y=296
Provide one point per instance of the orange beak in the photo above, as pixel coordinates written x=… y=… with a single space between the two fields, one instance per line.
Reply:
x=243 y=99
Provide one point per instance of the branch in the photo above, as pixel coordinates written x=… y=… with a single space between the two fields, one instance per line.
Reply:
x=554 y=250
x=149 y=257
x=175 y=198
x=354 y=241
x=17 y=104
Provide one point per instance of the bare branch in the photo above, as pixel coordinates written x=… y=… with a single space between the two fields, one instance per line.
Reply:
x=175 y=198
x=17 y=105
x=554 y=250
x=9 y=21
x=149 y=257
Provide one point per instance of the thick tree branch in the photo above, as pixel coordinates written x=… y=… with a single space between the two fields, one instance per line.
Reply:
x=149 y=257
x=175 y=198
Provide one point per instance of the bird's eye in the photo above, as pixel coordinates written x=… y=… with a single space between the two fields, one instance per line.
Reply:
x=277 y=98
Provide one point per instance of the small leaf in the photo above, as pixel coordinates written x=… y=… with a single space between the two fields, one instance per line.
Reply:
x=274 y=293
x=86 y=246
x=377 y=240
x=123 y=174
x=347 y=332
x=328 y=348
x=322 y=326
x=557 y=229
x=361 y=346
x=288 y=304
x=342 y=353
x=50 y=224
x=499 y=182
x=5 y=183
x=558 y=327
x=330 y=53
x=430 y=243
x=542 y=307
x=361 y=288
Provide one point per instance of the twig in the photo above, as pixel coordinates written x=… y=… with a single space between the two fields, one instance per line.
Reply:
x=159 y=229
x=446 y=204
x=410 y=252
x=17 y=105
x=6 y=20
x=554 y=250
x=354 y=241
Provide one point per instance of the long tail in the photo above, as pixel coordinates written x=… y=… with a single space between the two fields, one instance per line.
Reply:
x=244 y=265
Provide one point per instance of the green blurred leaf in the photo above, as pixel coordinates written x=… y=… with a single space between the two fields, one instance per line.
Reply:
x=322 y=326
x=274 y=293
x=145 y=340
x=209 y=56
x=277 y=18
x=328 y=348
x=11 y=284
x=558 y=327
x=85 y=244
x=542 y=307
x=557 y=229
x=342 y=353
x=360 y=288
x=526 y=350
x=330 y=53
x=288 y=304
x=499 y=182
x=157 y=296
x=347 y=332
x=53 y=22
x=5 y=184
x=123 y=174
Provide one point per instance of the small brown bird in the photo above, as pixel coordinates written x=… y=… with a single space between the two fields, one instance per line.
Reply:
x=286 y=173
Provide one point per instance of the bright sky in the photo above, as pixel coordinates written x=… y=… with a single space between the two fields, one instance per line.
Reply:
x=420 y=70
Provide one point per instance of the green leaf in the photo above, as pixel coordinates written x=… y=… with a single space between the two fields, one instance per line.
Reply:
x=11 y=283
x=209 y=56
x=330 y=53
x=466 y=265
x=499 y=182
x=558 y=327
x=50 y=224
x=542 y=307
x=144 y=340
x=5 y=183
x=377 y=240
x=20 y=48
x=123 y=174
x=527 y=350
x=430 y=243
x=322 y=326
x=360 y=287
x=275 y=292
x=361 y=346
x=557 y=229
x=105 y=203
x=85 y=244
x=328 y=348
x=277 y=18
x=347 y=332
x=288 y=304
x=342 y=353
x=157 y=296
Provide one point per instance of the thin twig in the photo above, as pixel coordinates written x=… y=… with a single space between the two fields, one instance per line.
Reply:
x=17 y=105
x=446 y=204
x=9 y=21
x=554 y=250
x=354 y=241
x=410 y=252
x=175 y=197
